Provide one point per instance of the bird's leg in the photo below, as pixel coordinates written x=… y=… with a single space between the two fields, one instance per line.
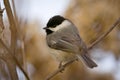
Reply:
x=77 y=59
x=60 y=65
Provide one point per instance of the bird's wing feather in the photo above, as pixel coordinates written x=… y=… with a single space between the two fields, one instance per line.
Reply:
x=64 y=46
x=65 y=43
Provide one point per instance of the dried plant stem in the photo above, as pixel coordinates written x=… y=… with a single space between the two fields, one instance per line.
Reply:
x=14 y=11
x=14 y=36
x=7 y=58
x=90 y=47
x=20 y=37
x=12 y=25
x=105 y=34
x=14 y=58
x=1 y=21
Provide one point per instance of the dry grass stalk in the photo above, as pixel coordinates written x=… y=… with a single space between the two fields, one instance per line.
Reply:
x=10 y=59
x=12 y=25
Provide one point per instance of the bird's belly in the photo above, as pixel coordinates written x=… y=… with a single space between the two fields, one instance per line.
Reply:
x=62 y=56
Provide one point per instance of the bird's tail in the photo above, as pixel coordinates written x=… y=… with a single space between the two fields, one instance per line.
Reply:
x=89 y=62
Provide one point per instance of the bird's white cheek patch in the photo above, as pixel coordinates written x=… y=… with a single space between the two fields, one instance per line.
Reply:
x=61 y=26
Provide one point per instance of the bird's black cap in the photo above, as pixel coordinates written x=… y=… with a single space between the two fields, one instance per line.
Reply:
x=55 y=20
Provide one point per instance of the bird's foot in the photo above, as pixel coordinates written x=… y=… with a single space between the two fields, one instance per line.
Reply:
x=61 y=66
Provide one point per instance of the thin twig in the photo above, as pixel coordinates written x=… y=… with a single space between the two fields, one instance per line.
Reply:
x=104 y=35
x=60 y=69
x=16 y=61
x=90 y=47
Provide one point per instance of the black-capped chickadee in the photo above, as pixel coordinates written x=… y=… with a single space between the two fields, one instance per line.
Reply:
x=64 y=41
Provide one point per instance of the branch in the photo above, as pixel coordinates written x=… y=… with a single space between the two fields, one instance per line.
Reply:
x=60 y=69
x=90 y=47
x=104 y=35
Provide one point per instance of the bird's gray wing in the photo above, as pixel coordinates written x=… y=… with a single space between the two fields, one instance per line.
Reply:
x=64 y=44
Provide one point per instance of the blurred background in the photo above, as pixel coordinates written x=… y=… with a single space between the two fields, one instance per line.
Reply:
x=92 y=17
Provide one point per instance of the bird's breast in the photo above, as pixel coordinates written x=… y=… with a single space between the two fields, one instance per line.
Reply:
x=62 y=56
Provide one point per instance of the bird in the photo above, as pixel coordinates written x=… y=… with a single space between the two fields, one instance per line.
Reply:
x=65 y=43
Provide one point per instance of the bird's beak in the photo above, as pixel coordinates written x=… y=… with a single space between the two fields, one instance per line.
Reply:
x=45 y=28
